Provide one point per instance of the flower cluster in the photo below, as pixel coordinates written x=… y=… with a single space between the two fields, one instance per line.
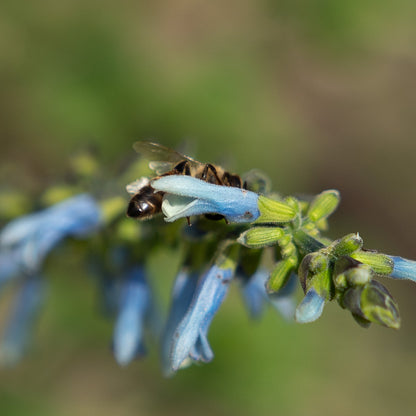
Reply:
x=265 y=244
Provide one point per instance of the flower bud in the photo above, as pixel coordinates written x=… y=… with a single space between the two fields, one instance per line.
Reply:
x=323 y=205
x=280 y=275
x=259 y=237
x=372 y=302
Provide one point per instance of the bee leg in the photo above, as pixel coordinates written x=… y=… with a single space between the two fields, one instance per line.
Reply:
x=189 y=221
x=182 y=168
x=232 y=180
x=210 y=175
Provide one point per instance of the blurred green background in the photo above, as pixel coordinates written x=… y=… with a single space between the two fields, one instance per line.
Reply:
x=318 y=94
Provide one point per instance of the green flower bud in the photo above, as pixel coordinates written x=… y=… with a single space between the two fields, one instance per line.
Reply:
x=59 y=193
x=323 y=205
x=128 y=231
x=227 y=255
x=314 y=273
x=359 y=276
x=304 y=270
x=280 y=274
x=13 y=204
x=346 y=245
x=274 y=211
x=372 y=302
x=84 y=164
x=350 y=272
x=258 y=237
x=111 y=208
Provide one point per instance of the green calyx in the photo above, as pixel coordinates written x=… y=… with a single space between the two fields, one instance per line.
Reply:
x=274 y=212
x=227 y=255
x=281 y=274
x=323 y=205
x=372 y=303
x=380 y=263
x=314 y=272
x=112 y=208
x=258 y=237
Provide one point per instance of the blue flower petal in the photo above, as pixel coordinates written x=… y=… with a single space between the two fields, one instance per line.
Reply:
x=255 y=295
x=311 y=307
x=283 y=301
x=134 y=305
x=403 y=268
x=29 y=239
x=9 y=265
x=198 y=197
x=254 y=292
x=18 y=331
x=182 y=294
x=190 y=336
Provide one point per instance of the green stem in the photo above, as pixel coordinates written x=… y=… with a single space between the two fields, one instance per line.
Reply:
x=306 y=243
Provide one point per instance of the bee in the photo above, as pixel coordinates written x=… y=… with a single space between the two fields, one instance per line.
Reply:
x=146 y=203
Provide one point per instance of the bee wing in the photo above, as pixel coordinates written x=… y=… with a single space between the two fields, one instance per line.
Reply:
x=134 y=187
x=161 y=158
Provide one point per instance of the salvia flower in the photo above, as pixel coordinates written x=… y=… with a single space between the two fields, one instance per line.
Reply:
x=403 y=268
x=23 y=314
x=133 y=315
x=24 y=244
x=270 y=242
x=27 y=240
x=311 y=307
x=181 y=298
x=187 y=196
x=190 y=337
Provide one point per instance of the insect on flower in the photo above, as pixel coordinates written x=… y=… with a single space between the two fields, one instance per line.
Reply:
x=146 y=202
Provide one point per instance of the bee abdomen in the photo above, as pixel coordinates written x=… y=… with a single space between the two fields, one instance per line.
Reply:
x=145 y=203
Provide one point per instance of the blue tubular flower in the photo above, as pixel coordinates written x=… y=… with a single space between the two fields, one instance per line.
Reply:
x=187 y=196
x=311 y=307
x=134 y=314
x=255 y=295
x=18 y=330
x=30 y=238
x=403 y=268
x=182 y=294
x=9 y=265
x=190 y=337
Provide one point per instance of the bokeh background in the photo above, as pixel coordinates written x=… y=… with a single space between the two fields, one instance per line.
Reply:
x=319 y=94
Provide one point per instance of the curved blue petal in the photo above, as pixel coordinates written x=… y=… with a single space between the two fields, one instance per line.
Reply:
x=134 y=304
x=190 y=337
x=182 y=294
x=18 y=331
x=199 y=197
x=9 y=265
x=255 y=295
x=311 y=307
x=403 y=268
x=29 y=239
